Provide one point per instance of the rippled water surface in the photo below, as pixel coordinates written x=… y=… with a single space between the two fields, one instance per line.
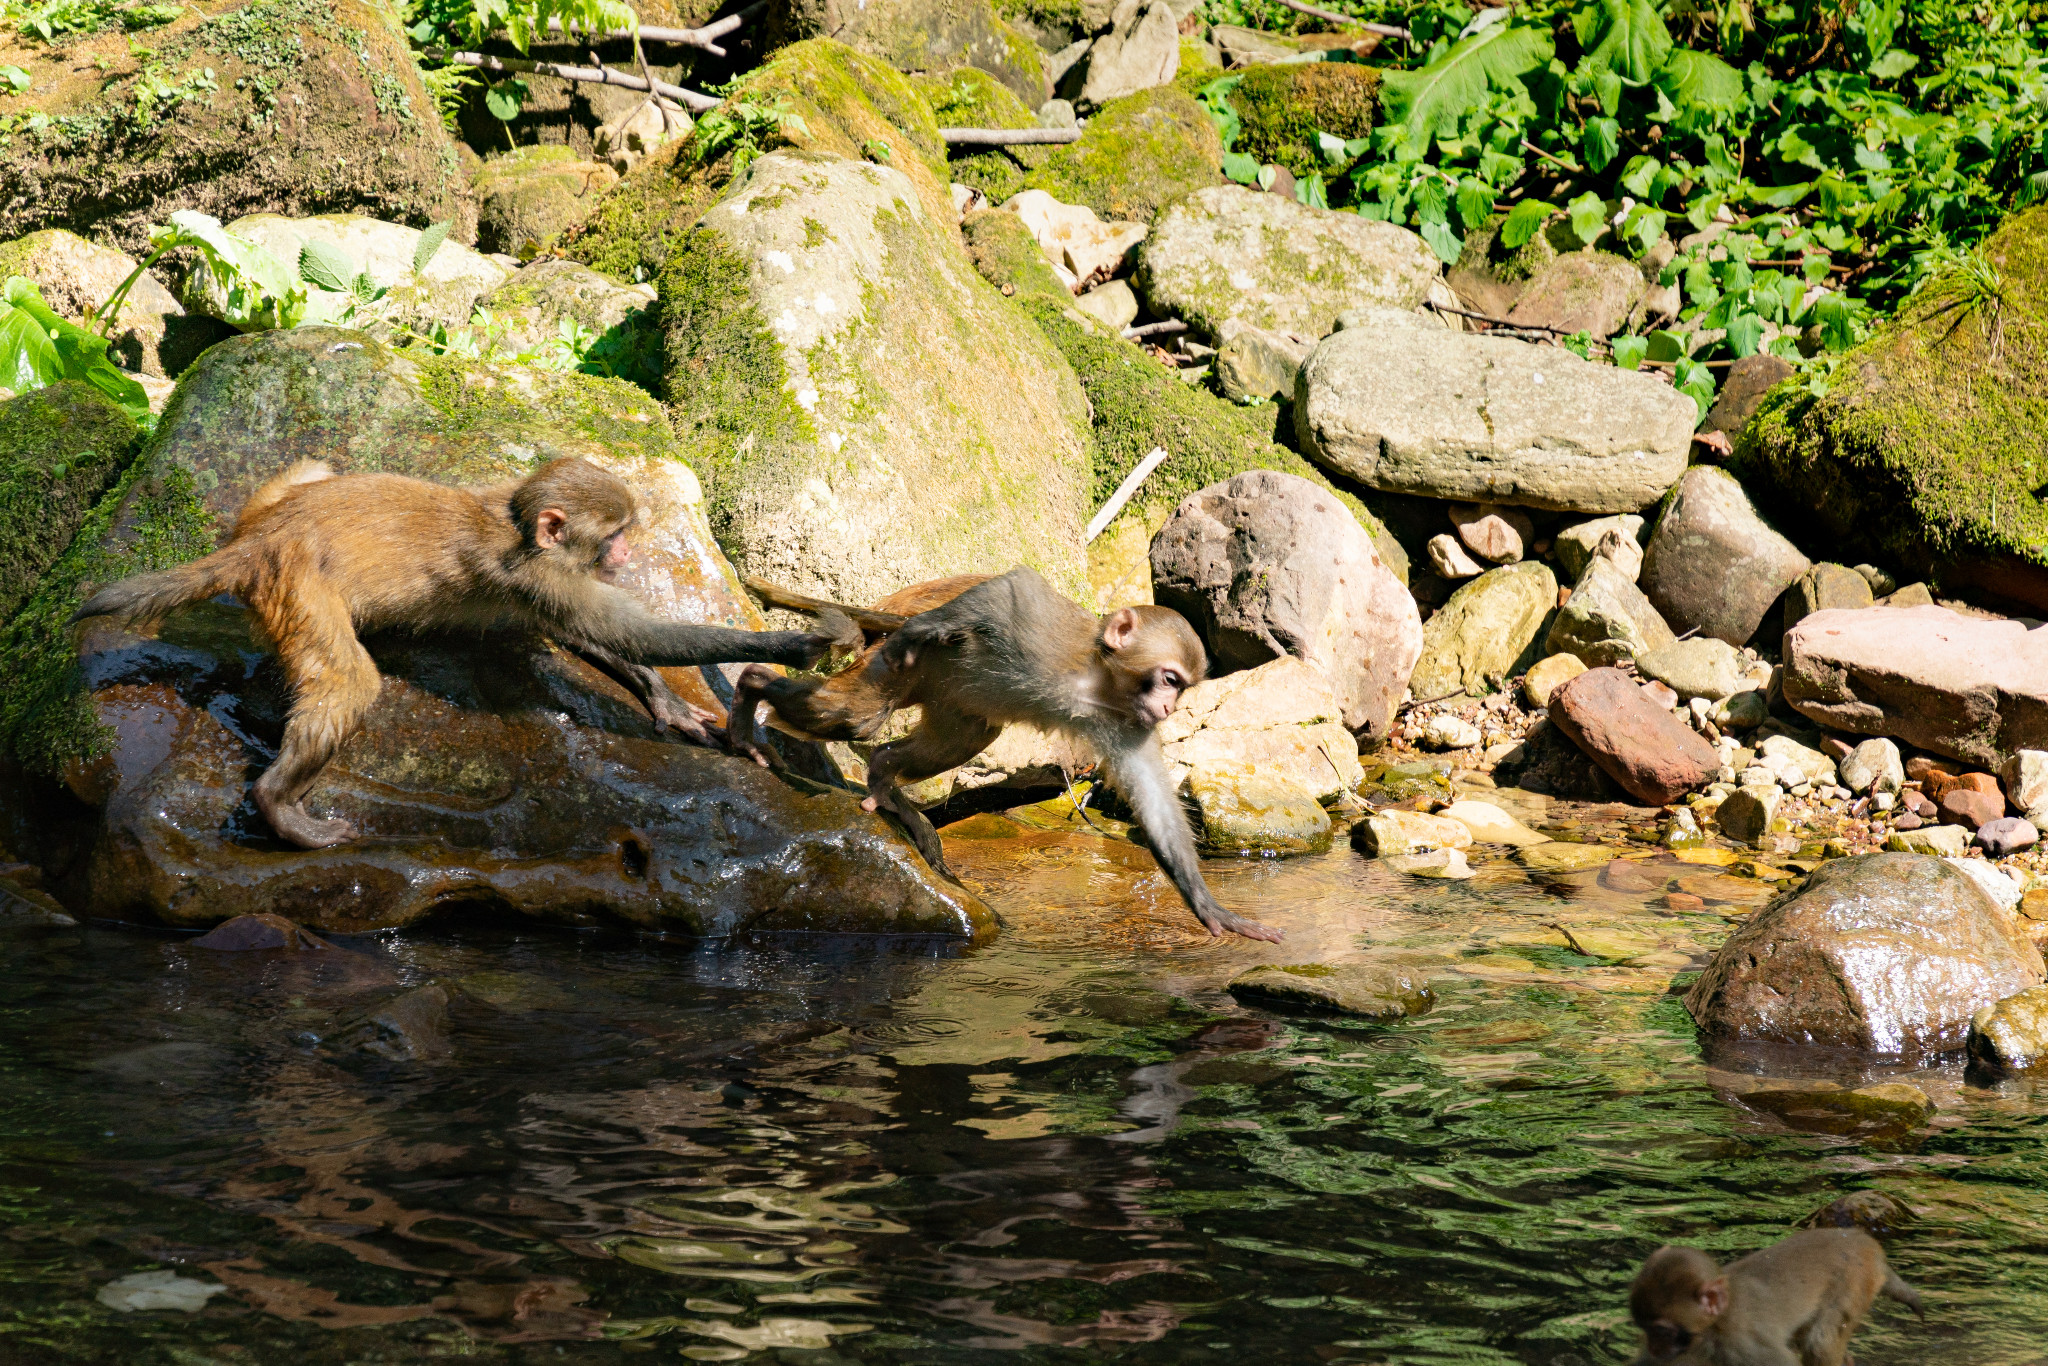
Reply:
x=1068 y=1146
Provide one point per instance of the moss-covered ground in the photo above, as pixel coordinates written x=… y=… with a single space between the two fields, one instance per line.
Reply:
x=1137 y=155
x=1282 y=108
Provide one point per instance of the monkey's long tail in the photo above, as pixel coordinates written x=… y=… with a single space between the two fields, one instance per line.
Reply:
x=146 y=597
x=864 y=617
x=1903 y=1293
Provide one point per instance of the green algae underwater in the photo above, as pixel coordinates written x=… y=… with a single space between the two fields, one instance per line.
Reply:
x=1071 y=1145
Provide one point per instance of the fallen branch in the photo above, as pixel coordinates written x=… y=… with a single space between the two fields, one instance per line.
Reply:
x=1007 y=137
x=1155 y=329
x=1123 y=493
x=1384 y=30
x=691 y=100
x=706 y=37
x=1492 y=321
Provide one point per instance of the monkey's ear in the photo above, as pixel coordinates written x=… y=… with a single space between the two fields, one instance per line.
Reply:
x=1118 y=628
x=1713 y=1296
x=549 y=527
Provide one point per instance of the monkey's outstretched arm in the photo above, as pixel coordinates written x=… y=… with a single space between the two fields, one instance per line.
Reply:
x=669 y=711
x=1138 y=772
x=668 y=644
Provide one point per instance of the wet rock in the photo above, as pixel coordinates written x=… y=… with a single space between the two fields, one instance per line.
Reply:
x=535 y=300
x=1559 y=858
x=1491 y=629
x=1547 y=761
x=1408 y=408
x=1380 y=991
x=2011 y=1035
x=23 y=900
x=1576 y=545
x=1961 y=686
x=1281 y=718
x=412 y=1027
x=152 y=336
x=1229 y=257
x=2003 y=891
x=1581 y=292
x=1742 y=391
x=1491 y=825
x=1491 y=532
x=527 y=196
x=1447 y=864
x=1247 y=811
x=1258 y=363
x=1701 y=667
x=1407 y=832
x=1713 y=565
x=1074 y=239
x=1448 y=556
x=262 y=931
x=1607 y=619
x=1547 y=675
x=1826 y=588
x=1888 y=953
x=1141 y=50
x=1873 y=766
x=1268 y=564
x=158 y=1290
x=1874 y=1212
x=2007 y=835
x=839 y=474
x=2026 y=782
x=1888 y=1108
x=1113 y=305
x=1653 y=757
x=1746 y=814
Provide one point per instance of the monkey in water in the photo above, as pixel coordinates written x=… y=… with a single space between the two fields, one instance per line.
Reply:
x=319 y=558
x=975 y=653
x=1795 y=1303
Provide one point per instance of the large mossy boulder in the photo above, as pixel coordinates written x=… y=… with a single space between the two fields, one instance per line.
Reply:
x=1929 y=449
x=1137 y=155
x=832 y=99
x=278 y=106
x=61 y=448
x=1138 y=404
x=531 y=195
x=1281 y=109
x=918 y=35
x=968 y=98
x=869 y=412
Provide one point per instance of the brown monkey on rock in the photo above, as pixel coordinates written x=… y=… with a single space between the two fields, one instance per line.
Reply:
x=975 y=653
x=1795 y=1303
x=318 y=558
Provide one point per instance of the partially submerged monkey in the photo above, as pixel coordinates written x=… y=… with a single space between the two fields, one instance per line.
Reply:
x=1795 y=1303
x=319 y=558
x=975 y=653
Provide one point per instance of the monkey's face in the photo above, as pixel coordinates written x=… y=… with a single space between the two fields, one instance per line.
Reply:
x=613 y=554
x=601 y=549
x=1158 y=693
x=1675 y=1298
x=1151 y=656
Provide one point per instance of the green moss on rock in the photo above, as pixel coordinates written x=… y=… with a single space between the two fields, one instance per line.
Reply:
x=60 y=449
x=1928 y=454
x=1282 y=108
x=968 y=98
x=1137 y=155
x=1006 y=254
x=1138 y=404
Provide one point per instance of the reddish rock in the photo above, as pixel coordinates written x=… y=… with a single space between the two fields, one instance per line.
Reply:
x=1920 y=765
x=1938 y=784
x=1963 y=806
x=1661 y=695
x=1920 y=805
x=264 y=931
x=1974 y=689
x=1642 y=747
x=1890 y=953
x=1979 y=782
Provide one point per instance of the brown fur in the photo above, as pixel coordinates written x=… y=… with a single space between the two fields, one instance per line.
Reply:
x=1795 y=1303
x=319 y=558
x=975 y=653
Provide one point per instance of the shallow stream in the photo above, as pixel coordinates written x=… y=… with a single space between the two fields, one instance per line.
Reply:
x=1068 y=1146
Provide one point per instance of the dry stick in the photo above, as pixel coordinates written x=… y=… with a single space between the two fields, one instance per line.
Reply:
x=1384 y=30
x=706 y=37
x=1529 y=146
x=1007 y=137
x=1123 y=493
x=1155 y=329
x=689 y=99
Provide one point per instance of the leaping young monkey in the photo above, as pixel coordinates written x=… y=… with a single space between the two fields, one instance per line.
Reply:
x=1795 y=1303
x=319 y=558
x=976 y=653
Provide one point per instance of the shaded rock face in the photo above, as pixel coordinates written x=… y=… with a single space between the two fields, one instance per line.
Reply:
x=1231 y=257
x=528 y=196
x=1654 y=758
x=1742 y=392
x=153 y=335
x=1886 y=953
x=1607 y=619
x=1267 y=565
x=1141 y=50
x=493 y=772
x=1713 y=565
x=1582 y=292
x=1961 y=686
x=69 y=427
x=872 y=412
x=317 y=102
x=1409 y=408
x=920 y=35
x=1491 y=629
x=1823 y=588
x=535 y=300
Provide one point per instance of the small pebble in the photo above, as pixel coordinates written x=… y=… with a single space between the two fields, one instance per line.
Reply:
x=1910 y=821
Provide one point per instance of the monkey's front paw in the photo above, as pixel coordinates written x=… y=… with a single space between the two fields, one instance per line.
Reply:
x=1221 y=925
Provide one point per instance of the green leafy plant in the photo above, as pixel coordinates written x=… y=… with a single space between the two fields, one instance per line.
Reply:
x=38 y=348
x=13 y=80
x=744 y=128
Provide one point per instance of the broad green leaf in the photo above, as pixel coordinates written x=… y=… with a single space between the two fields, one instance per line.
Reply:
x=1665 y=346
x=27 y=358
x=1782 y=196
x=1310 y=190
x=429 y=243
x=1700 y=81
x=13 y=80
x=1893 y=65
x=1433 y=100
x=1629 y=351
x=1332 y=148
x=1647 y=228
x=1432 y=202
x=1745 y=334
x=326 y=265
x=1633 y=41
x=1636 y=178
x=1589 y=215
x=38 y=348
x=1695 y=381
x=1444 y=242
x=1241 y=167
x=1608 y=86
x=1475 y=202
x=1793 y=147
x=504 y=98
x=1602 y=141
x=1523 y=222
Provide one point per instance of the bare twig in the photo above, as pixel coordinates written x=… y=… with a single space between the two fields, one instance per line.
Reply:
x=706 y=37
x=1143 y=471
x=1007 y=137
x=692 y=100
x=1384 y=30
x=1155 y=329
x=1529 y=146
x=1492 y=321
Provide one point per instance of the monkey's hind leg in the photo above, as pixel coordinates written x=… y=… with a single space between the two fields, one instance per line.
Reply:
x=333 y=681
x=940 y=742
x=846 y=706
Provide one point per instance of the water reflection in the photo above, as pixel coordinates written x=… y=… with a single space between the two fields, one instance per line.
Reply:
x=1071 y=1146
